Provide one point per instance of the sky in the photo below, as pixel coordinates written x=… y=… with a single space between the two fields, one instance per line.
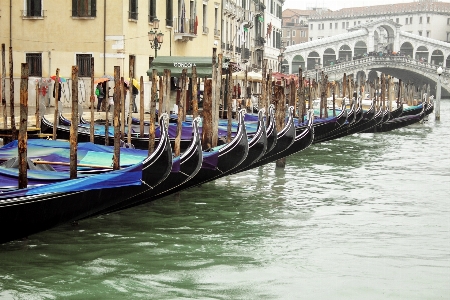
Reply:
x=338 y=4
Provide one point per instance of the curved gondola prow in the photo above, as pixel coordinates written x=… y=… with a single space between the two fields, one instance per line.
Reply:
x=271 y=130
x=153 y=164
x=236 y=151
x=195 y=147
x=261 y=130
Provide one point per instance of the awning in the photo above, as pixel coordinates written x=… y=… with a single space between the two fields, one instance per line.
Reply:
x=176 y=64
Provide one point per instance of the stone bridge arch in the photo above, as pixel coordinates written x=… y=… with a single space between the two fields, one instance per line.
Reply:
x=345 y=52
x=313 y=60
x=407 y=49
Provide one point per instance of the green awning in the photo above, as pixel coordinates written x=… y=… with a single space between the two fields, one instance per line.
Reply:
x=176 y=64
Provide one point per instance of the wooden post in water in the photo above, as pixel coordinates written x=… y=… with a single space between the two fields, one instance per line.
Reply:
x=264 y=86
x=166 y=101
x=161 y=94
x=118 y=95
x=399 y=93
x=22 y=143
x=122 y=108
x=151 y=133
x=37 y=116
x=292 y=96
x=391 y=93
x=141 y=106
x=279 y=101
x=11 y=96
x=5 y=114
x=106 y=121
x=74 y=124
x=310 y=105
x=194 y=92
x=56 y=114
x=217 y=81
x=269 y=92
x=91 y=106
x=181 y=112
x=229 y=105
x=334 y=98
x=299 y=92
x=207 y=116
x=246 y=95
x=383 y=91
x=130 y=97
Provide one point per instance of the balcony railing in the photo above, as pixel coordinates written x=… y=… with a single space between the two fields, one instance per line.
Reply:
x=205 y=30
x=185 y=29
x=133 y=15
x=216 y=32
x=32 y=13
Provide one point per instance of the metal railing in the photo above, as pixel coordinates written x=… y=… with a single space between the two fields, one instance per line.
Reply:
x=185 y=25
x=395 y=61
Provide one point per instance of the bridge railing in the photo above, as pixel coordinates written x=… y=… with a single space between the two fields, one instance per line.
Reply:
x=374 y=60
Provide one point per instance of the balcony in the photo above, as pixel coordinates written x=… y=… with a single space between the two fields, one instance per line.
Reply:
x=217 y=32
x=205 y=30
x=185 y=29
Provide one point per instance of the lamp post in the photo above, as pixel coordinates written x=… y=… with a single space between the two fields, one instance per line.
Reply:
x=281 y=58
x=316 y=66
x=155 y=39
x=437 y=111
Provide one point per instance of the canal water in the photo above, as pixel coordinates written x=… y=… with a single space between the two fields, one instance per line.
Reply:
x=363 y=217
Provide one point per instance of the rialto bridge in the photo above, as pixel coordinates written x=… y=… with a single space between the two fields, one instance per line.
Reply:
x=367 y=50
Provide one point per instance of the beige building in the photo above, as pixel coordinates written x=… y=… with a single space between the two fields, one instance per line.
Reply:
x=50 y=34
x=295 y=26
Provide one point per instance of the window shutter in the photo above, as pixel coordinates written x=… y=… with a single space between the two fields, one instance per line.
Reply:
x=93 y=8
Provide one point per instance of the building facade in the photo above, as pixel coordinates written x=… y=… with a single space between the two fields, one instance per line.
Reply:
x=251 y=32
x=427 y=18
x=51 y=34
x=295 y=26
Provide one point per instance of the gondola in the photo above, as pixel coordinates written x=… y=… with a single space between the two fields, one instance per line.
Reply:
x=228 y=157
x=187 y=167
x=27 y=211
x=354 y=115
x=403 y=121
x=301 y=141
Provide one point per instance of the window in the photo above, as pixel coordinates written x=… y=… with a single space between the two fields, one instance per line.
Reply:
x=420 y=32
x=336 y=25
x=288 y=43
x=397 y=20
x=428 y=20
x=410 y=20
x=406 y=21
x=359 y=22
x=133 y=10
x=152 y=11
x=293 y=32
x=216 y=16
x=312 y=26
x=288 y=33
x=354 y=23
x=420 y=20
x=343 y=25
x=331 y=25
x=33 y=8
x=84 y=8
x=428 y=33
x=293 y=43
x=84 y=65
x=346 y=25
x=169 y=13
x=34 y=61
x=204 y=19
x=448 y=21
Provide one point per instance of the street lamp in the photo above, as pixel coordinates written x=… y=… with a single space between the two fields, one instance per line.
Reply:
x=437 y=111
x=155 y=39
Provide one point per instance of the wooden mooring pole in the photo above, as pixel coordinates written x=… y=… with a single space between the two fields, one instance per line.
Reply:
x=152 y=133
x=56 y=114
x=74 y=125
x=3 y=83
x=207 y=116
x=141 y=107
x=194 y=92
x=37 y=116
x=181 y=111
x=130 y=97
x=11 y=96
x=22 y=143
x=280 y=114
x=92 y=101
x=118 y=96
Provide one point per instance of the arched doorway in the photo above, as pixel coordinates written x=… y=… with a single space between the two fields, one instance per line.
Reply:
x=360 y=50
x=422 y=53
x=297 y=62
x=407 y=49
x=345 y=53
x=447 y=63
x=373 y=75
x=313 y=60
x=329 y=57
x=437 y=58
